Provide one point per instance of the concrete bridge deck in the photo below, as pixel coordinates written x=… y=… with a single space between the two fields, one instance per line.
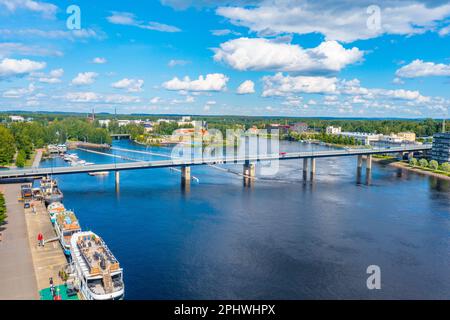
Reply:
x=37 y=172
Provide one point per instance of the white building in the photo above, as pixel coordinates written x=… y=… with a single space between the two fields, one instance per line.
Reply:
x=333 y=130
x=122 y=123
x=17 y=118
x=104 y=123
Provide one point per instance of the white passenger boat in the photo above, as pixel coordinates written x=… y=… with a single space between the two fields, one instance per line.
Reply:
x=98 y=173
x=99 y=272
x=65 y=226
x=50 y=191
x=53 y=209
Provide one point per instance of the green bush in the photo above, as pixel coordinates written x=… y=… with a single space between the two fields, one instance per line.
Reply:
x=413 y=162
x=423 y=163
x=21 y=158
x=445 y=167
x=2 y=209
x=433 y=165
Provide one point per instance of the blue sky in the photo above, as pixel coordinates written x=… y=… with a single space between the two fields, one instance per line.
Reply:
x=387 y=58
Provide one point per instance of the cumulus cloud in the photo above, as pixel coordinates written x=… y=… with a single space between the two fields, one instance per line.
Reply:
x=224 y=32
x=280 y=85
x=99 y=60
x=419 y=68
x=129 y=19
x=262 y=54
x=53 y=77
x=13 y=67
x=46 y=9
x=212 y=82
x=19 y=92
x=246 y=87
x=131 y=85
x=345 y=21
x=85 y=78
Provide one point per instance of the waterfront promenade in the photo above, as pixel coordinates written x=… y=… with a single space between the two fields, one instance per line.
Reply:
x=47 y=260
x=17 y=277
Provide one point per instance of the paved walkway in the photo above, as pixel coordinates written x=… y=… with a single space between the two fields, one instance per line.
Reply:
x=50 y=259
x=17 y=277
x=37 y=158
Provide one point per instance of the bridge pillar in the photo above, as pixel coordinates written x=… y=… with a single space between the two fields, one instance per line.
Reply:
x=313 y=168
x=249 y=172
x=360 y=162
x=305 y=168
x=410 y=155
x=369 y=162
x=185 y=175
x=117 y=176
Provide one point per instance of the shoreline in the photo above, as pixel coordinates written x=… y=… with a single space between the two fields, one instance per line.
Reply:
x=401 y=165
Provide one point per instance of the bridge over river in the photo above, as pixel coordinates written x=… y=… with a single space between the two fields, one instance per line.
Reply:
x=248 y=162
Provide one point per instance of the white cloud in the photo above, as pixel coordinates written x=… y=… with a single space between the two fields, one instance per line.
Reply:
x=13 y=48
x=224 y=32
x=280 y=85
x=99 y=60
x=129 y=19
x=72 y=35
x=212 y=82
x=246 y=87
x=131 y=85
x=19 y=92
x=155 y=100
x=91 y=97
x=46 y=9
x=174 y=63
x=85 y=78
x=187 y=99
x=419 y=68
x=262 y=54
x=53 y=77
x=345 y=21
x=444 y=31
x=13 y=67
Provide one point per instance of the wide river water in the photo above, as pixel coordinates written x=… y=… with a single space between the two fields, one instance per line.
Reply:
x=283 y=238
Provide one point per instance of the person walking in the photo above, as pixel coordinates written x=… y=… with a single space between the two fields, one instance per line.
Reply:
x=40 y=238
x=1 y=237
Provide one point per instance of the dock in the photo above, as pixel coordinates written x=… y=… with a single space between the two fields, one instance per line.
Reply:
x=18 y=279
x=47 y=260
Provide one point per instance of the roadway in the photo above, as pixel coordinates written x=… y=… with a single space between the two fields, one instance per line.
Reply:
x=37 y=172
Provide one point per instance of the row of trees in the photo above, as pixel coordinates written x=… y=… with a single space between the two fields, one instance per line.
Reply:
x=433 y=164
x=3 y=215
x=24 y=137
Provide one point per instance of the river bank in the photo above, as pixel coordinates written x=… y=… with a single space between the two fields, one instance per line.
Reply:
x=403 y=165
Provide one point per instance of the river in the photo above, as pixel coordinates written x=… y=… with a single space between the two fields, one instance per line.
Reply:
x=282 y=238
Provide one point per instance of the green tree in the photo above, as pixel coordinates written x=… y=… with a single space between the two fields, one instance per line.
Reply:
x=21 y=158
x=433 y=165
x=423 y=163
x=413 y=162
x=7 y=146
x=445 y=167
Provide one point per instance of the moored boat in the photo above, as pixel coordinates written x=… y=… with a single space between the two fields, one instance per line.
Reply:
x=66 y=225
x=50 y=191
x=99 y=272
x=53 y=209
x=98 y=173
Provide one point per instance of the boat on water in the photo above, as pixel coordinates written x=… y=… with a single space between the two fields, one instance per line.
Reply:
x=99 y=272
x=66 y=225
x=50 y=191
x=98 y=173
x=53 y=209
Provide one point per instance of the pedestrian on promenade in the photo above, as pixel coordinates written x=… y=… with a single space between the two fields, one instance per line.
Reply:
x=40 y=238
x=1 y=237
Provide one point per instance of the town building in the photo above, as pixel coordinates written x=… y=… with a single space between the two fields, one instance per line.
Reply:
x=333 y=130
x=441 y=147
x=104 y=122
x=16 y=118
x=407 y=136
x=299 y=127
